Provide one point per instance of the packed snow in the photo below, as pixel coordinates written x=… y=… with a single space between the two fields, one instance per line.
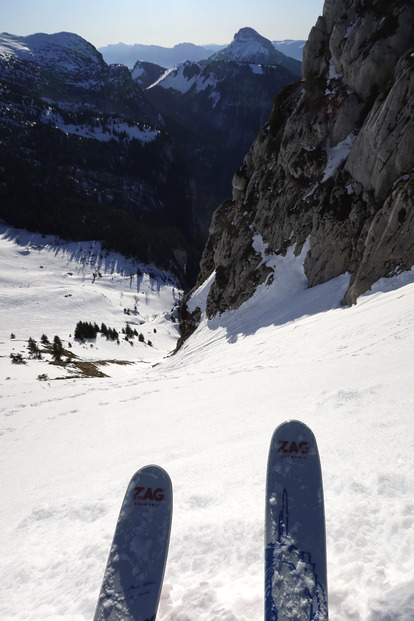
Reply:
x=205 y=414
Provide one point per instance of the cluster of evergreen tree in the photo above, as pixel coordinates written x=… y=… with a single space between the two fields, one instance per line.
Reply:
x=56 y=349
x=110 y=333
x=130 y=333
x=86 y=330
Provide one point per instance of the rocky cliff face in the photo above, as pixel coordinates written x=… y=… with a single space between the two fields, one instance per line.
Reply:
x=333 y=165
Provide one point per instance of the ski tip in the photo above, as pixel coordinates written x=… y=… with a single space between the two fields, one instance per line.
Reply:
x=293 y=422
x=153 y=468
x=291 y=436
x=153 y=471
x=294 y=426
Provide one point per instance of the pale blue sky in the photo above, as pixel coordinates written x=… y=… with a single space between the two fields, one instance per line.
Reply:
x=161 y=22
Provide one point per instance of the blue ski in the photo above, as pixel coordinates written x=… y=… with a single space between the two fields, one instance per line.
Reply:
x=134 y=574
x=295 y=545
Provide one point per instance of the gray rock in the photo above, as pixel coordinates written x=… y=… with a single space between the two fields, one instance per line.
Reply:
x=383 y=150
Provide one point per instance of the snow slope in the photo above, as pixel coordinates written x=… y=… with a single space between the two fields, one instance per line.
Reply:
x=48 y=286
x=68 y=448
x=177 y=78
x=52 y=49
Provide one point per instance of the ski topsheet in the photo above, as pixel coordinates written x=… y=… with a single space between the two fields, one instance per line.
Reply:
x=295 y=547
x=134 y=574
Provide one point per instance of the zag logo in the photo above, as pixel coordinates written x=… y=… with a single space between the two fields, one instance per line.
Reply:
x=142 y=493
x=292 y=448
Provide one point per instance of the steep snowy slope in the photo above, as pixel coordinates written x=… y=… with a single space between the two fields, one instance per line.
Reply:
x=69 y=447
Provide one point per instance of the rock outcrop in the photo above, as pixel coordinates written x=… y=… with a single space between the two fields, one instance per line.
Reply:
x=333 y=165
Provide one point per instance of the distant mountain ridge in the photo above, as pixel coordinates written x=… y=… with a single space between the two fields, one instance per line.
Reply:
x=291 y=47
x=122 y=53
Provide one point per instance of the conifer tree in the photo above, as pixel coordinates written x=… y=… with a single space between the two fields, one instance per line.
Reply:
x=57 y=349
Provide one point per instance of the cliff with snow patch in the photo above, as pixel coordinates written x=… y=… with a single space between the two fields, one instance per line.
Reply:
x=333 y=166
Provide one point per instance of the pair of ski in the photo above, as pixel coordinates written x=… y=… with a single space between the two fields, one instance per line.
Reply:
x=295 y=550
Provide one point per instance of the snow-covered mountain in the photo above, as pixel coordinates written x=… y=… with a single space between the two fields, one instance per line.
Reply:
x=60 y=98
x=64 y=68
x=66 y=53
x=250 y=47
x=69 y=446
x=84 y=154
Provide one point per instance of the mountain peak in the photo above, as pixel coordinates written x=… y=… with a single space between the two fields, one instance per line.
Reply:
x=249 y=46
x=247 y=33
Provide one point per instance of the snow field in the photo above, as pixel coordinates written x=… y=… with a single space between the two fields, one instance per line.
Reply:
x=69 y=448
x=48 y=285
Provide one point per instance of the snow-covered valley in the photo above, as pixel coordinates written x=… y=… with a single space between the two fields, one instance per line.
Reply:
x=69 y=446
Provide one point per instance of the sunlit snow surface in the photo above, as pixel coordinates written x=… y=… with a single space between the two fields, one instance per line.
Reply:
x=69 y=447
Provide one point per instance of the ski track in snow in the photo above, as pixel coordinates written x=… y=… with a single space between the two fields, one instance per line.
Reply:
x=69 y=448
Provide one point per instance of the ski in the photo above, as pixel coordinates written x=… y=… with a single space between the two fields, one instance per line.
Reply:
x=295 y=543
x=134 y=573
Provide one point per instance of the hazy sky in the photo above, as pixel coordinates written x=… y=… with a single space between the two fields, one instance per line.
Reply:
x=161 y=22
